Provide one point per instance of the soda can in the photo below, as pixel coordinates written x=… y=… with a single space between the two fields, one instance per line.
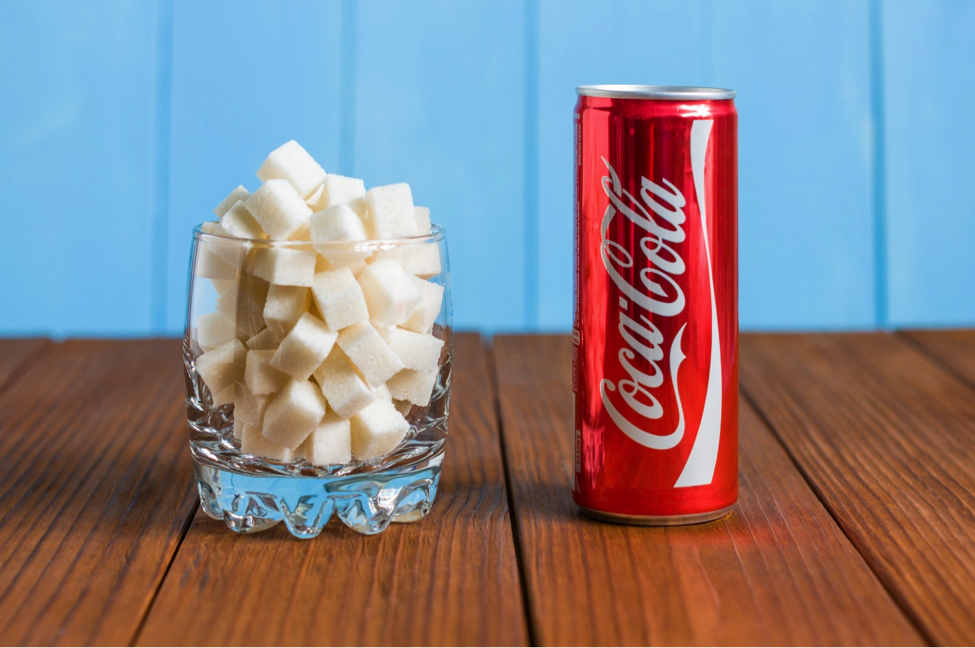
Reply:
x=655 y=336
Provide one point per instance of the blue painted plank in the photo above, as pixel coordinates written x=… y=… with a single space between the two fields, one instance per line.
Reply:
x=582 y=43
x=76 y=131
x=806 y=255
x=246 y=77
x=802 y=70
x=439 y=99
x=929 y=74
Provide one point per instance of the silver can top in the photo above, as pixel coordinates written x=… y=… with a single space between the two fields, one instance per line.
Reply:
x=660 y=92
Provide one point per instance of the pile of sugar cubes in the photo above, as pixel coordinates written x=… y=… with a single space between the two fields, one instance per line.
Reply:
x=324 y=347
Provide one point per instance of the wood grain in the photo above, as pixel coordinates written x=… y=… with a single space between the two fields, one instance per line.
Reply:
x=953 y=348
x=778 y=571
x=449 y=579
x=887 y=437
x=95 y=490
x=15 y=353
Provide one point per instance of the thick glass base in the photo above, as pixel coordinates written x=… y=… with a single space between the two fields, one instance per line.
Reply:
x=367 y=503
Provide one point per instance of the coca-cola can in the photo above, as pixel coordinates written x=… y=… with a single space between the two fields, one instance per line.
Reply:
x=655 y=354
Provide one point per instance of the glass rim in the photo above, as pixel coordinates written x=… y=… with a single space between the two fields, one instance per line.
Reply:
x=437 y=233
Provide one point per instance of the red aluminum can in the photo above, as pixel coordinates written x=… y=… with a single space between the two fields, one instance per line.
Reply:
x=655 y=355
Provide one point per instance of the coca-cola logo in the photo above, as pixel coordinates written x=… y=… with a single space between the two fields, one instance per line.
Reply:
x=659 y=214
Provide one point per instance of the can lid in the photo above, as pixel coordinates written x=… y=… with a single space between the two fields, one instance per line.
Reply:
x=672 y=93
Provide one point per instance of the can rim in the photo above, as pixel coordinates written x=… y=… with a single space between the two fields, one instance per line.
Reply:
x=664 y=92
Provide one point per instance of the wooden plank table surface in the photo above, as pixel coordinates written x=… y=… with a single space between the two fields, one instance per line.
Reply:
x=855 y=525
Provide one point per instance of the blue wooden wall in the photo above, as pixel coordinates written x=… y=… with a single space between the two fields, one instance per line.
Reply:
x=123 y=123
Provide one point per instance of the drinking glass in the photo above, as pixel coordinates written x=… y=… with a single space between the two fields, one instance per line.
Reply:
x=227 y=295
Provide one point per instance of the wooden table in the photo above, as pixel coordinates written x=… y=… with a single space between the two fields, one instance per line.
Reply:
x=856 y=523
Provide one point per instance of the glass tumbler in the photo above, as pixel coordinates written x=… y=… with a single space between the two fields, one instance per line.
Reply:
x=245 y=298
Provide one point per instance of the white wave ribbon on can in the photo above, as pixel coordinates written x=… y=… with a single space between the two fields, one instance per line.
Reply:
x=699 y=468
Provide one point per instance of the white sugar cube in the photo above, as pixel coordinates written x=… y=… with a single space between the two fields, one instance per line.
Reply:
x=339 y=298
x=260 y=377
x=240 y=223
x=346 y=391
x=377 y=430
x=252 y=442
x=329 y=443
x=315 y=196
x=235 y=196
x=340 y=190
x=293 y=163
x=284 y=306
x=421 y=259
x=248 y=406
x=239 y=426
x=278 y=209
x=423 y=224
x=221 y=367
x=304 y=348
x=208 y=263
x=426 y=313
x=389 y=211
x=368 y=351
x=286 y=266
x=382 y=392
x=336 y=228
x=413 y=386
x=227 y=302
x=265 y=340
x=391 y=294
x=213 y=329
x=419 y=351
x=292 y=415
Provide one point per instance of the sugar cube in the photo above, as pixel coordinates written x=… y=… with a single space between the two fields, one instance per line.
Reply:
x=391 y=294
x=240 y=223
x=389 y=211
x=262 y=378
x=234 y=197
x=226 y=249
x=284 y=306
x=315 y=196
x=292 y=414
x=336 y=228
x=239 y=425
x=413 y=386
x=252 y=442
x=304 y=348
x=382 y=392
x=339 y=190
x=248 y=406
x=223 y=366
x=368 y=351
x=329 y=443
x=285 y=266
x=213 y=329
x=377 y=430
x=419 y=351
x=208 y=263
x=339 y=298
x=426 y=313
x=293 y=163
x=423 y=225
x=265 y=340
x=346 y=391
x=278 y=209
x=421 y=259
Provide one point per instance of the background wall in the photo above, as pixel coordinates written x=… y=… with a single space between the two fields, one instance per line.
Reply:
x=123 y=123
